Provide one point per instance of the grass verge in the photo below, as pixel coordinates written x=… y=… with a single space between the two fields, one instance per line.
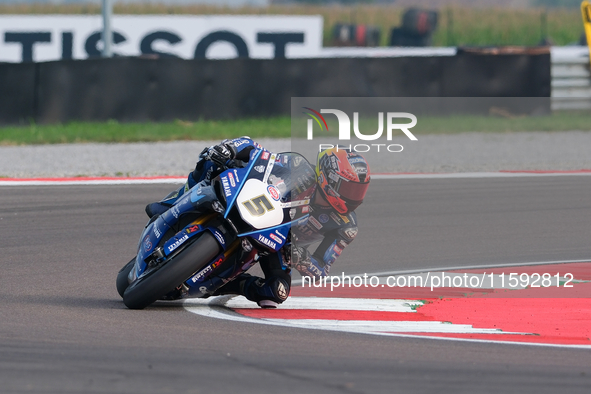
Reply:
x=112 y=131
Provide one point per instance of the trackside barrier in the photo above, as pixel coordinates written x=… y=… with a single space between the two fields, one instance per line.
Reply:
x=571 y=78
x=130 y=89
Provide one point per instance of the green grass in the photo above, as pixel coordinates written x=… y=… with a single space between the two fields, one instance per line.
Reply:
x=135 y=132
x=279 y=127
x=457 y=25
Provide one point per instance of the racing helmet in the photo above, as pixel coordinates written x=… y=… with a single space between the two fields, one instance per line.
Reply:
x=343 y=178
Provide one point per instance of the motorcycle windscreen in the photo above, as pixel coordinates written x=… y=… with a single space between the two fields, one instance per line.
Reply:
x=293 y=176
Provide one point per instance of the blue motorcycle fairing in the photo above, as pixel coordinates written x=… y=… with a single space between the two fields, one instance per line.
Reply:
x=153 y=233
x=219 y=236
x=150 y=238
x=273 y=238
x=231 y=181
x=242 y=173
x=202 y=198
x=277 y=235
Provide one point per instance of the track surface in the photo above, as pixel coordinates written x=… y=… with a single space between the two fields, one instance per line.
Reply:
x=63 y=327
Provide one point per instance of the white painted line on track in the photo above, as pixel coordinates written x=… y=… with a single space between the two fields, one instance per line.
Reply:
x=388 y=326
x=325 y=303
x=91 y=181
x=215 y=308
x=478 y=175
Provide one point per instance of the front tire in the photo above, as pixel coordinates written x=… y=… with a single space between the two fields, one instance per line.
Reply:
x=122 y=277
x=154 y=286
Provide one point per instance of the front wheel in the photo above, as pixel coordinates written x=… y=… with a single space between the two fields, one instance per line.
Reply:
x=122 y=277
x=155 y=285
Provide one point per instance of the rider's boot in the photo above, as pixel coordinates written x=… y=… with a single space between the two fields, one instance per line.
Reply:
x=266 y=293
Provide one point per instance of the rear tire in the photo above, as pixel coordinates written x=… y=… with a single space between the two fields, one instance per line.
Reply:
x=194 y=257
x=122 y=281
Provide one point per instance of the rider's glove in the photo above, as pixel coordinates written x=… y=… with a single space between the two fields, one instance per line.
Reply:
x=298 y=254
x=219 y=154
x=308 y=265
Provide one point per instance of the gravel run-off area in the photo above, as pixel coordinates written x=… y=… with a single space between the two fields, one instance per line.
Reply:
x=464 y=152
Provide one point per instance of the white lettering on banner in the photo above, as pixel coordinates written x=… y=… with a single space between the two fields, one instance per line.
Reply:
x=54 y=37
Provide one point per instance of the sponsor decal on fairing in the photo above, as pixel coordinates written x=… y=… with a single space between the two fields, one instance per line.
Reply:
x=276 y=238
x=226 y=185
x=147 y=243
x=273 y=192
x=178 y=243
x=267 y=241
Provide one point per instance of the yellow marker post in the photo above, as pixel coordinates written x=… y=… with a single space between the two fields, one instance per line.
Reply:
x=586 y=12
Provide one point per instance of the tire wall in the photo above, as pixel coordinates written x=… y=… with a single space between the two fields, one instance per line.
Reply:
x=129 y=89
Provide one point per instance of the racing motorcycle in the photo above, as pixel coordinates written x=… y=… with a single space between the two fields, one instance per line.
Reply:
x=216 y=231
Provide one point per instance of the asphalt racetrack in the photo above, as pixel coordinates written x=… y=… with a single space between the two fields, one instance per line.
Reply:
x=63 y=327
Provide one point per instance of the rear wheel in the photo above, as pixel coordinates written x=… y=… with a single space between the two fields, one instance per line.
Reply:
x=122 y=281
x=155 y=285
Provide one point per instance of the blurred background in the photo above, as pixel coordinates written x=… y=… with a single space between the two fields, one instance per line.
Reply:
x=450 y=22
x=189 y=62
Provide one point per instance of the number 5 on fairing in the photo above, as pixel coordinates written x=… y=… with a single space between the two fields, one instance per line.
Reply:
x=258 y=205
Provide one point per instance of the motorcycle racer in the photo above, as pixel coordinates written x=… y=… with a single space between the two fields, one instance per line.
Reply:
x=337 y=188
x=342 y=179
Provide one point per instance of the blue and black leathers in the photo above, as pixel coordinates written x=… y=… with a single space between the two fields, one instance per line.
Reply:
x=206 y=169
x=324 y=224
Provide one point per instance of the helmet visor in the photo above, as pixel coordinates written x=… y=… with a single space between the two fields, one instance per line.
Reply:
x=352 y=191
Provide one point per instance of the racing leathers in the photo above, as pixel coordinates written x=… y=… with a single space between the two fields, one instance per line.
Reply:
x=316 y=223
x=229 y=153
x=334 y=231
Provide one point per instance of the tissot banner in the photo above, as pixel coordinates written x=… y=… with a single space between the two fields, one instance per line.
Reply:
x=53 y=37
